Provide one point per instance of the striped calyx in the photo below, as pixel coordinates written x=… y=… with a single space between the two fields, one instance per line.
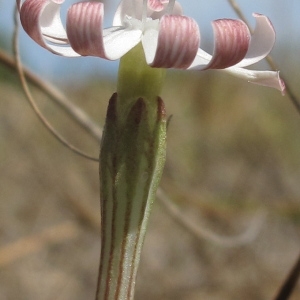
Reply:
x=131 y=163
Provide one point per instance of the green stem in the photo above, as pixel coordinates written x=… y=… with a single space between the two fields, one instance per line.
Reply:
x=136 y=79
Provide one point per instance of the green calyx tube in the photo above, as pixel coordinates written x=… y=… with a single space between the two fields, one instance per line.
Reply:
x=132 y=158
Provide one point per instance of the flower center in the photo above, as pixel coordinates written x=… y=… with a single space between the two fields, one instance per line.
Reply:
x=155 y=8
x=142 y=25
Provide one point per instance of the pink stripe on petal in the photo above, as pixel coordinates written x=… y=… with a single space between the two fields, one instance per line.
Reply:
x=178 y=42
x=232 y=39
x=156 y=5
x=29 y=15
x=87 y=37
x=41 y=21
x=84 y=28
x=262 y=41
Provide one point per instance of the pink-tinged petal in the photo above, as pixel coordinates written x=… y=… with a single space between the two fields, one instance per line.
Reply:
x=175 y=45
x=231 y=43
x=176 y=11
x=87 y=37
x=262 y=41
x=264 y=78
x=41 y=20
x=156 y=5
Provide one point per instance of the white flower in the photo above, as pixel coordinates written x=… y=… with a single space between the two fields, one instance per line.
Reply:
x=169 y=39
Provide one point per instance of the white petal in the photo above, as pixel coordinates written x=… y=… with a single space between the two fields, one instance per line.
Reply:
x=201 y=60
x=52 y=36
x=262 y=41
x=51 y=25
x=174 y=45
x=87 y=37
x=149 y=41
x=118 y=43
x=134 y=9
x=264 y=78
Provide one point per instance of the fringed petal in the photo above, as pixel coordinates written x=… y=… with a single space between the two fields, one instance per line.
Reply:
x=175 y=45
x=41 y=20
x=88 y=37
x=264 y=78
x=262 y=41
x=231 y=43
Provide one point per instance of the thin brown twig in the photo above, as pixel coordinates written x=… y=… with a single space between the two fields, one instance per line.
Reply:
x=289 y=284
x=31 y=99
x=75 y=112
x=203 y=233
x=269 y=59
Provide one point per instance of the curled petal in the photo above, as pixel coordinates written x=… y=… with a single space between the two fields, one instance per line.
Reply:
x=262 y=41
x=157 y=5
x=175 y=45
x=176 y=10
x=264 y=78
x=89 y=38
x=41 y=20
x=231 y=43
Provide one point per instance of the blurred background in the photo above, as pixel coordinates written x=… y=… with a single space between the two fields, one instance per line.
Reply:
x=233 y=166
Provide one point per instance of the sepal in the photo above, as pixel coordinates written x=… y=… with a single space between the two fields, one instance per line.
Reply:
x=131 y=163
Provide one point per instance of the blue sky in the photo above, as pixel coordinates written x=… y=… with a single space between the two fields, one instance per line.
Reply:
x=283 y=13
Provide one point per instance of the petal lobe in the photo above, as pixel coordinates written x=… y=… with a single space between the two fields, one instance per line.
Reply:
x=177 y=43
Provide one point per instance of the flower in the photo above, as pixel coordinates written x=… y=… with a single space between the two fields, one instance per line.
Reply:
x=169 y=39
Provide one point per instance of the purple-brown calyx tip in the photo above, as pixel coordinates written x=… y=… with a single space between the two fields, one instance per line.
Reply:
x=161 y=109
x=138 y=110
x=112 y=108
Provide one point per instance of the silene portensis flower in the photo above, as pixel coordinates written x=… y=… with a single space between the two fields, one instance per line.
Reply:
x=145 y=33
x=169 y=39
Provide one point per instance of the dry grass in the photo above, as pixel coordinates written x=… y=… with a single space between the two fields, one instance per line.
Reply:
x=233 y=151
